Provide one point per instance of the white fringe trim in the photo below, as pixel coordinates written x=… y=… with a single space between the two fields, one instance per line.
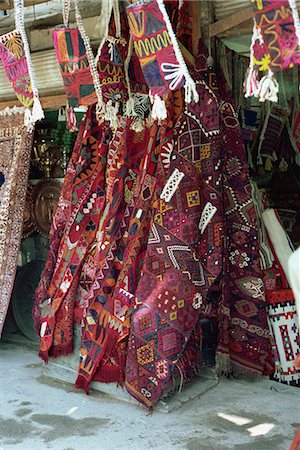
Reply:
x=11 y=111
x=159 y=110
x=191 y=93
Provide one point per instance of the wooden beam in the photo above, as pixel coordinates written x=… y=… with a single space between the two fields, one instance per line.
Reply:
x=53 y=102
x=5 y=6
x=229 y=23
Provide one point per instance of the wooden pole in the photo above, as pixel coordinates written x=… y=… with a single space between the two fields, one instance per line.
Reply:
x=195 y=10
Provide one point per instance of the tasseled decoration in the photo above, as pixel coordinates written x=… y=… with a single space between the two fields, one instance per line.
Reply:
x=268 y=88
x=268 y=165
x=137 y=125
x=259 y=160
x=130 y=107
x=283 y=165
x=111 y=114
x=37 y=112
x=28 y=120
x=251 y=82
x=72 y=124
x=159 y=110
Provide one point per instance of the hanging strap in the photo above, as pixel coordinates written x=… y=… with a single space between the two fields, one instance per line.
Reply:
x=92 y=61
x=37 y=111
x=66 y=12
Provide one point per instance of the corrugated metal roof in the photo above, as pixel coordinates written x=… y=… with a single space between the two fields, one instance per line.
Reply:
x=224 y=8
x=49 y=80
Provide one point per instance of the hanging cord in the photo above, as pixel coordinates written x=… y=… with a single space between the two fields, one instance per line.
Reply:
x=37 y=111
x=191 y=93
x=210 y=59
x=92 y=63
x=117 y=17
x=66 y=12
x=251 y=82
x=130 y=102
x=72 y=124
x=263 y=132
x=105 y=17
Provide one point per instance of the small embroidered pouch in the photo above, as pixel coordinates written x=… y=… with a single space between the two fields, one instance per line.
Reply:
x=158 y=51
x=74 y=67
x=14 y=61
x=275 y=45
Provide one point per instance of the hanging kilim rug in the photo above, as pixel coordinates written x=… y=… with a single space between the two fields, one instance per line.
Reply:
x=15 y=149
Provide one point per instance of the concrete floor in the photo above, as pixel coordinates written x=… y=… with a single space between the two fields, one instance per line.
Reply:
x=38 y=413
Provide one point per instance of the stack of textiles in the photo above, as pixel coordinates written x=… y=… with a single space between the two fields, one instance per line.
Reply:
x=155 y=232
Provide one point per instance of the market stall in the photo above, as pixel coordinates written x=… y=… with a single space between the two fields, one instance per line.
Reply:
x=163 y=197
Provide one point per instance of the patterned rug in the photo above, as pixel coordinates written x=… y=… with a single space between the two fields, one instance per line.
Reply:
x=15 y=151
x=81 y=203
x=187 y=255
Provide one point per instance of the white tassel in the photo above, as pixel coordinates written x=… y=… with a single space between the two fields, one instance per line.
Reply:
x=130 y=112
x=251 y=82
x=268 y=88
x=259 y=161
x=37 y=110
x=111 y=114
x=159 y=110
x=137 y=125
x=283 y=165
x=274 y=156
x=28 y=122
x=191 y=94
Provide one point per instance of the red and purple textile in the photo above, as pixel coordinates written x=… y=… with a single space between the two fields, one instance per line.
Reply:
x=154 y=48
x=85 y=198
x=12 y=56
x=74 y=67
x=185 y=255
x=129 y=182
x=279 y=47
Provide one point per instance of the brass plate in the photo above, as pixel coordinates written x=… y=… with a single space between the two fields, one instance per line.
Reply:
x=45 y=200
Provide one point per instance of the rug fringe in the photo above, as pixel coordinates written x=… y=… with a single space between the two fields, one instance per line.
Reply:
x=226 y=367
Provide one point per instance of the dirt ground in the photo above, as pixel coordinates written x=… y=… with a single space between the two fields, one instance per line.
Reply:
x=40 y=413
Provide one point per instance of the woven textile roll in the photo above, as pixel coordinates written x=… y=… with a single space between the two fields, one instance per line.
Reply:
x=15 y=149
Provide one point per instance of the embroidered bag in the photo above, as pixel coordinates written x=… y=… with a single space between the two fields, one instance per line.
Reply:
x=158 y=51
x=16 y=60
x=13 y=58
x=275 y=45
x=74 y=67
